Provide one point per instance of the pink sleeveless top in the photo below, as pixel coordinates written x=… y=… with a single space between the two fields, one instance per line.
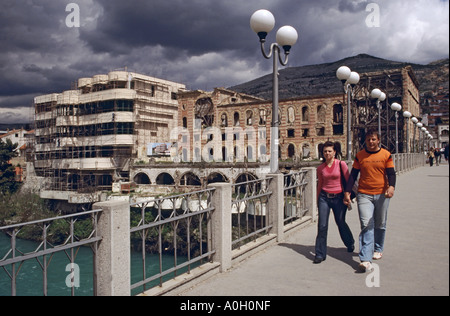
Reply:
x=329 y=178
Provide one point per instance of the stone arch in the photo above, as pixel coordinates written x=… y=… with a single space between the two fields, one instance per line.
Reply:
x=141 y=178
x=247 y=188
x=190 y=179
x=216 y=177
x=165 y=179
x=245 y=176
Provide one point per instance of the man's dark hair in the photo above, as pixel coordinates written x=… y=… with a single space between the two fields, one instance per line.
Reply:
x=373 y=131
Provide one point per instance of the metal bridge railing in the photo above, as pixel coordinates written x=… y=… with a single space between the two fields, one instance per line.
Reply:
x=295 y=205
x=171 y=235
x=179 y=226
x=55 y=235
x=250 y=211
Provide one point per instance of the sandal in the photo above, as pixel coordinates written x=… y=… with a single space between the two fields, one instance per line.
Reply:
x=377 y=255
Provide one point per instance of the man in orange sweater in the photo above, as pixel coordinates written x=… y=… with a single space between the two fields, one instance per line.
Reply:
x=376 y=187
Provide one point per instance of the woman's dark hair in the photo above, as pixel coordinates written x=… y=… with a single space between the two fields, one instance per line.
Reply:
x=336 y=147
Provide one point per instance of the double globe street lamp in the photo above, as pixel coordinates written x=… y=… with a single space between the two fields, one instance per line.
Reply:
x=407 y=115
x=262 y=22
x=419 y=126
x=380 y=96
x=396 y=108
x=415 y=120
x=424 y=134
x=349 y=80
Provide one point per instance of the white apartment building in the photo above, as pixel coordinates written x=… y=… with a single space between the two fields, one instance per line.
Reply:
x=86 y=138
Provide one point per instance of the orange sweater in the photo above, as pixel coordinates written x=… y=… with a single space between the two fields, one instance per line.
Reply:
x=373 y=165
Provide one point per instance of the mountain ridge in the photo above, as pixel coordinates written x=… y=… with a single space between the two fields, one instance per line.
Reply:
x=321 y=79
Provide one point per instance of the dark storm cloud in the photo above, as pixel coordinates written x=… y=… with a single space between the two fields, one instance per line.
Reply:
x=27 y=25
x=353 y=6
x=201 y=43
x=193 y=27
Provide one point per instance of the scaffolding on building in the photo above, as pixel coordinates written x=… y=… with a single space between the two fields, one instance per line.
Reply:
x=86 y=138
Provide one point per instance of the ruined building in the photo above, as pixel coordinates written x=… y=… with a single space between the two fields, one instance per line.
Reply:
x=239 y=130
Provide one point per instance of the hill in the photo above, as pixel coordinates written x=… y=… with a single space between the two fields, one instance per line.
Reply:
x=321 y=79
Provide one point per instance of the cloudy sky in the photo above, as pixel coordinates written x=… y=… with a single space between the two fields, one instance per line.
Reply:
x=201 y=43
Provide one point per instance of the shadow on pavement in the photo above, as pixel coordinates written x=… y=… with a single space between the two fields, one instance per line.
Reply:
x=340 y=254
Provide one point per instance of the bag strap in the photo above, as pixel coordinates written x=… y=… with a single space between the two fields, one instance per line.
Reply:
x=343 y=182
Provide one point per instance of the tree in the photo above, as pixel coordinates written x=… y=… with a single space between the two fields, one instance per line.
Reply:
x=8 y=183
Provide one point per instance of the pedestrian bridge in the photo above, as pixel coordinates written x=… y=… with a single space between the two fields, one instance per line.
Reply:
x=415 y=261
x=264 y=247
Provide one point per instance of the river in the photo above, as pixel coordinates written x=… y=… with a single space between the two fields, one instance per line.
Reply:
x=30 y=279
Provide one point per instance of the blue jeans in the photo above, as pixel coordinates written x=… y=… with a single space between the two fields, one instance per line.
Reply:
x=339 y=211
x=373 y=211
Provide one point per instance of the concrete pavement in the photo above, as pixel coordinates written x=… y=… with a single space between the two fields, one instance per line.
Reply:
x=415 y=261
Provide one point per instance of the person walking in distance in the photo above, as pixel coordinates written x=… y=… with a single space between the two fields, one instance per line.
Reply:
x=376 y=187
x=431 y=156
x=331 y=196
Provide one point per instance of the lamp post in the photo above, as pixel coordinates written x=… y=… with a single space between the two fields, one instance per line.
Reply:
x=380 y=96
x=415 y=121
x=262 y=22
x=419 y=144
x=423 y=137
x=427 y=134
x=407 y=115
x=349 y=79
x=396 y=107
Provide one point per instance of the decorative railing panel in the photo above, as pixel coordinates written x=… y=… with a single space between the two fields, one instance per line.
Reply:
x=175 y=228
x=63 y=234
x=250 y=211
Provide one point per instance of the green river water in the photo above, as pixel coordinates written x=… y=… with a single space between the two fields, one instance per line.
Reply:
x=30 y=279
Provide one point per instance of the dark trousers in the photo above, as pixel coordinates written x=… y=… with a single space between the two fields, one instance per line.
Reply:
x=339 y=210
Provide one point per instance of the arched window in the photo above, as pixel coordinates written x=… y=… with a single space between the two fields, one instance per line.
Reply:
x=291 y=151
x=291 y=115
x=224 y=120
x=204 y=111
x=236 y=119
x=249 y=117
x=321 y=113
x=262 y=117
x=165 y=179
x=305 y=114
x=142 y=178
x=250 y=155
x=338 y=119
x=338 y=113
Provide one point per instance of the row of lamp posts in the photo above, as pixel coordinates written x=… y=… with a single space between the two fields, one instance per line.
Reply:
x=350 y=79
x=262 y=22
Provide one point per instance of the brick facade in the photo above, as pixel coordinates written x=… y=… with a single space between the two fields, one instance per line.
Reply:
x=305 y=124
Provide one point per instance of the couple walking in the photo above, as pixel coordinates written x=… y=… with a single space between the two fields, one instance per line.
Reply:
x=375 y=188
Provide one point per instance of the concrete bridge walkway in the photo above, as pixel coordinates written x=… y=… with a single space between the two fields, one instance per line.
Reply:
x=415 y=261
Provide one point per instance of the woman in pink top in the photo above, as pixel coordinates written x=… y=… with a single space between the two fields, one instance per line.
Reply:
x=331 y=196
